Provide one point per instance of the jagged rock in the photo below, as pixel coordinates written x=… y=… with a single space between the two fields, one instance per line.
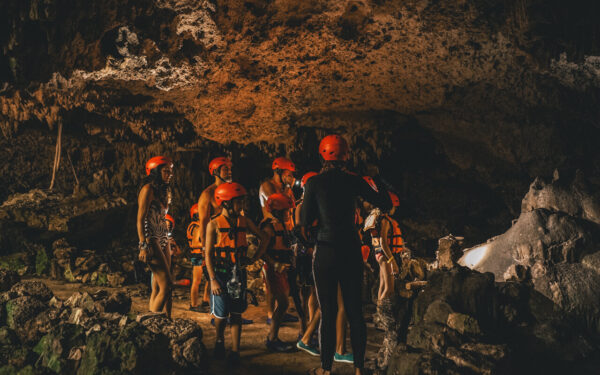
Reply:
x=12 y=352
x=115 y=279
x=449 y=251
x=576 y=198
x=80 y=300
x=54 y=349
x=432 y=337
x=117 y=302
x=132 y=349
x=189 y=354
x=465 y=291
x=8 y=278
x=470 y=360
x=409 y=363
x=464 y=324
x=22 y=309
x=495 y=352
x=35 y=289
x=437 y=312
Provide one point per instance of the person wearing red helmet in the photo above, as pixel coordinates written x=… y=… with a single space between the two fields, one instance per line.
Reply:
x=226 y=257
x=153 y=203
x=329 y=198
x=278 y=259
x=220 y=169
x=386 y=240
x=281 y=182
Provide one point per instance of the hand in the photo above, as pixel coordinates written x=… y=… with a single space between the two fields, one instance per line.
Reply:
x=215 y=287
x=395 y=269
x=143 y=256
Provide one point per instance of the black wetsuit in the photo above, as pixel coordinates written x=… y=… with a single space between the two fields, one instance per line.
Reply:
x=330 y=199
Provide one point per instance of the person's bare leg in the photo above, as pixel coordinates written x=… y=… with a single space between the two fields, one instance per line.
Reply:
x=220 y=325
x=270 y=300
x=196 y=280
x=278 y=313
x=154 y=292
x=340 y=324
x=313 y=303
x=161 y=277
x=311 y=328
x=206 y=297
x=388 y=281
x=236 y=331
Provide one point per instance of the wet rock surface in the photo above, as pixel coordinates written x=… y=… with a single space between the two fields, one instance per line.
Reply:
x=90 y=333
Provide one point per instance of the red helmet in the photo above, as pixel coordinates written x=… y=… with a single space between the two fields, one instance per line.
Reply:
x=284 y=163
x=157 y=161
x=306 y=177
x=371 y=183
x=194 y=210
x=278 y=202
x=170 y=218
x=227 y=191
x=333 y=147
x=217 y=163
x=394 y=198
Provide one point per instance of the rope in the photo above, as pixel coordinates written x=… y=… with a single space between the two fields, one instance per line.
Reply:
x=56 y=155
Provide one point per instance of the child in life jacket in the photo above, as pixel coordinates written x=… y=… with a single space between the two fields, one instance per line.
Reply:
x=226 y=259
x=387 y=242
x=278 y=259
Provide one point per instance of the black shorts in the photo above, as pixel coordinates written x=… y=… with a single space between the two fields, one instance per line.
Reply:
x=304 y=269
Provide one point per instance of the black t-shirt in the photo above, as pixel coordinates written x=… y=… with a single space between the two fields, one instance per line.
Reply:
x=330 y=199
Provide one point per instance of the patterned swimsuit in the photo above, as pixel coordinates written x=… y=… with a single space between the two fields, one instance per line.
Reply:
x=155 y=226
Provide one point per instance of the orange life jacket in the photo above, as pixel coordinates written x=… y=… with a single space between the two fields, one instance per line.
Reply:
x=278 y=249
x=395 y=240
x=232 y=240
x=195 y=246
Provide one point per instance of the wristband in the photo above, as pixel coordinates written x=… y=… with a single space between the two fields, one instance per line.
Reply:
x=390 y=260
x=143 y=245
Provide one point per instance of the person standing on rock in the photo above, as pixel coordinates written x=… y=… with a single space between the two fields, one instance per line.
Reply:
x=329 y=198
x=220 y=169
x=226 y=258
x=153 y=204
x=282 y=181
x=278 y=259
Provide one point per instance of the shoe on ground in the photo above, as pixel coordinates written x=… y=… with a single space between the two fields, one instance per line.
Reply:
x=279 y=346
x=309 y=349
x=344 y=358
x=200 y=309
x=219 y=352
x=233 y=359
x=289 y=318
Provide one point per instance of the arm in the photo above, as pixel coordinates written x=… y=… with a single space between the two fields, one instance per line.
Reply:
x=203 y=217
x=266 y=189
x=268 y=230
x=143 y=204
x=262 y=236
x=385 y=229
x=209 y=247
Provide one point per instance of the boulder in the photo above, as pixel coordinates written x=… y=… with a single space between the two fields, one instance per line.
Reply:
x=464 y=324
x=131 y=349
x=116 y=302
x=54 y=349
x=36 y=289
x=417 y=363
x=22 y=309
x=80 y=300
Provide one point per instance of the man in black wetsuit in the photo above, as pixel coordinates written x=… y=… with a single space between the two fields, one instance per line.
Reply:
x=330 y=199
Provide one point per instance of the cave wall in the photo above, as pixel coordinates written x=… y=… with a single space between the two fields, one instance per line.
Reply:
x=461 y=104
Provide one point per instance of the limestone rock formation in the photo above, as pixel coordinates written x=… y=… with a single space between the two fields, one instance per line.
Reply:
x=554 y=243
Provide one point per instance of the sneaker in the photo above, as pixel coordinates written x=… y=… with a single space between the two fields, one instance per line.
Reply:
x=309 y=349
x=288 y=318
x=279 y=346
x=200 y=309
x=233 y=358
x=219 y=352
x=269 y=320
x=344 y=358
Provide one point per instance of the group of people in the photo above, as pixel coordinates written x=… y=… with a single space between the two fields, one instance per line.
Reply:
x=310 y=250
